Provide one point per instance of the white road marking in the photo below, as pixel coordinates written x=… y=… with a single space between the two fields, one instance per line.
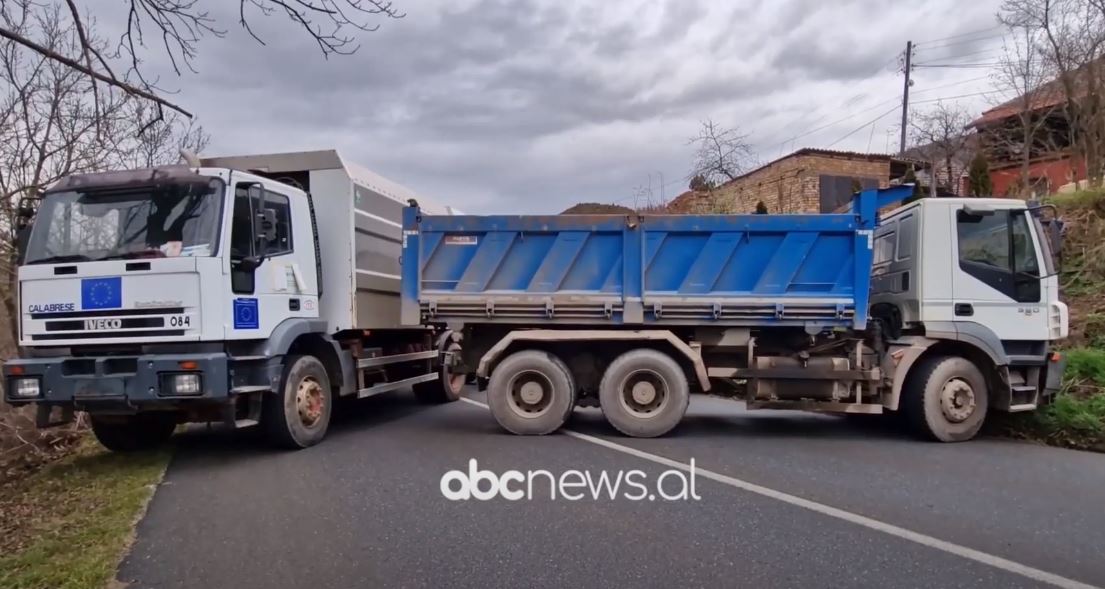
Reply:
x=855 y=518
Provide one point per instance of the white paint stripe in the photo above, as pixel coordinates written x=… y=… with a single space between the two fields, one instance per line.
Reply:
x=378 y=218
x=380 y=274
x=867 y=522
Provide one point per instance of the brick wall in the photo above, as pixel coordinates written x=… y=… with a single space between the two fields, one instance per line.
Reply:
x=792 y=185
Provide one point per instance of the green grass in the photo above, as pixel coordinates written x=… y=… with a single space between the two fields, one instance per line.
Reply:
x=1076 y=417
x=66 y=526
x=1081 y=198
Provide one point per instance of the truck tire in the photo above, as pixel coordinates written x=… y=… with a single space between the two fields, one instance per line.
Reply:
x=644 y=393
x=132 y=433
x=448 y=386
x=531 y=393
x=298 y=414
x=945 y=399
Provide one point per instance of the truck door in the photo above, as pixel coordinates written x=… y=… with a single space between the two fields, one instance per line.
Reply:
x=283 y=285
x=998 y=280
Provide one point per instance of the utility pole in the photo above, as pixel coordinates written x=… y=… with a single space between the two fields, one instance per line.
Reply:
x=905 y=91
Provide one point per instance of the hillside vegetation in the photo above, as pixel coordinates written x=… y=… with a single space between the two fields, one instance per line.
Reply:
x=1076 y=418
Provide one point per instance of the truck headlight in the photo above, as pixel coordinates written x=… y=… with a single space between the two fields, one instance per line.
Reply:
x=181 y=384
x=25 y=388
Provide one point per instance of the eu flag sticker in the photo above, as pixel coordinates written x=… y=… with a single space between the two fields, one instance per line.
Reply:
x=102 y=293
x=245 y=314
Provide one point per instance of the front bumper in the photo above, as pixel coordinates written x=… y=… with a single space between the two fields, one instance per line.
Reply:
x=129 y=380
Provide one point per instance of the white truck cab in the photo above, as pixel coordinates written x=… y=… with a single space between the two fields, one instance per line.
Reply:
x=217 y=293
x=975 y=276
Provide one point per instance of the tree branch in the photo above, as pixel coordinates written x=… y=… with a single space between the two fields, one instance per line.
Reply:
x=128 y=88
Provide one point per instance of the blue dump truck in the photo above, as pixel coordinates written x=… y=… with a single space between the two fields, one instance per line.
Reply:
x=942 y=310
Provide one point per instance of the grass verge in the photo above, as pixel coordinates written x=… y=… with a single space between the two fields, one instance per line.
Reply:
x=1076 y=417
x=66 y=526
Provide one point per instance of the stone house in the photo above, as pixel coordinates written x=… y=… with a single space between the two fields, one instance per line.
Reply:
x=809 y=180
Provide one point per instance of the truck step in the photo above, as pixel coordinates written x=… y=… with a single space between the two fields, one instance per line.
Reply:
x=819 y=406
x=391 y=386
x=250 y=389
x=1022 y=407
x=240 y=423
x=248 y=358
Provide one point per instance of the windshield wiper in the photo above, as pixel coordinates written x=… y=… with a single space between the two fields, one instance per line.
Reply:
x=149 y=253
x=62 y=259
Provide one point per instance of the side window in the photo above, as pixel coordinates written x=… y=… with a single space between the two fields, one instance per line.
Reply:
x=1025 y=265
x=984 y=239
x=282 y=206
x=241 y=233
x=1024 y=251
x=997 y=249
x=907 y=237
x=241 y=226
x=884 y=247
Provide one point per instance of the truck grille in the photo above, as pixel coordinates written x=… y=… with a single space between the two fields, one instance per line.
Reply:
x=104 y=324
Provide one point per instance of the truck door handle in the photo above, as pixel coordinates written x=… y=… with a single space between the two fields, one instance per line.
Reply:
x=964 y=310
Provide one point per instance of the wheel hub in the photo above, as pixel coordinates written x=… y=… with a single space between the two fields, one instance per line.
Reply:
x=309 y=401
x=644 y=392
x=957 y=400
x=530 y=394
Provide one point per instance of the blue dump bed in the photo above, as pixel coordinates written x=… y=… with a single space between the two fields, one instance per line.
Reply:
x=648 y=270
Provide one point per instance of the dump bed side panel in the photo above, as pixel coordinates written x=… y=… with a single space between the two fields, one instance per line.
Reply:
x=803 y=270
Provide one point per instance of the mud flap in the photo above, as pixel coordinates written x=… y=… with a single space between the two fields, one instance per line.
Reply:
x=44 y=414
x=1053 y=382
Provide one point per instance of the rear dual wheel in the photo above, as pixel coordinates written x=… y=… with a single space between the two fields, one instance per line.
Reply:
x=531 y=392
x=644 y=393
x=449 y=384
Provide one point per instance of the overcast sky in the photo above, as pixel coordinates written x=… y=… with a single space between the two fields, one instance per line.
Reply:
x=529 y=106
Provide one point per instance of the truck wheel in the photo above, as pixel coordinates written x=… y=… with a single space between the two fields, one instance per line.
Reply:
x=531 y=393
x=447 y=387
x=644 y=393
x=946 y=399
x=298 y=414
x=131 y=433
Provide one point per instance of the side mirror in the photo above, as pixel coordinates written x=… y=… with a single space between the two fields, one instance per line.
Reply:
x=24 y=213
x=264 y=227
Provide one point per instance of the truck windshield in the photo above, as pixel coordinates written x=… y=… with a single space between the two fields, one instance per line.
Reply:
x=151 y=222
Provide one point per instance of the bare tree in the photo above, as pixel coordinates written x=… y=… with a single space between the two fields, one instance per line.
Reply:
x=53 y=124
x=1072 y=39
x=939 y=135
x=721 y=153
x=1021 y=78
x=176 y=27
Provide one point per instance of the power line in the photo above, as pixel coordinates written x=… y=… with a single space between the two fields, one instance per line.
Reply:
x=844 y=104
x=957 y=65
x=961 y=35
x=962 y=42
x=861 y=127
x=838 y=121
x=927 y=100
x=971 y=54
x=959 y=83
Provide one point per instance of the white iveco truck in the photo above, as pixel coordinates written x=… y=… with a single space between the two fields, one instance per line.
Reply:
x=243 y=290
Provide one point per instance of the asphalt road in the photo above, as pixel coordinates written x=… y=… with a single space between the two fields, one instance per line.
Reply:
x=787 y=500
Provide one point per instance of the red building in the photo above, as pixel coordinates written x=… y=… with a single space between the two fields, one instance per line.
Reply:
x=1050 y=163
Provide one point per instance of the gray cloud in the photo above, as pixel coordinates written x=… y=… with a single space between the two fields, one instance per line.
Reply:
x=532 y=105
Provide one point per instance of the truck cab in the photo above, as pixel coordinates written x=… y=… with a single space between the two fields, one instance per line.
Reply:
x=210 y=293
x=977 y=274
